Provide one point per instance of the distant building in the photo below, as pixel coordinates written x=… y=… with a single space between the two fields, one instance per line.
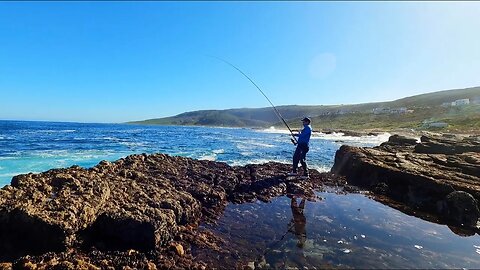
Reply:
x=400 y=110
x=381 y=110
x=461 y=102
x=447 y=104
x=432 y=124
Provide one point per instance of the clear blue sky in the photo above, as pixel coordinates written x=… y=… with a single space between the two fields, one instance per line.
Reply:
x=122 y=61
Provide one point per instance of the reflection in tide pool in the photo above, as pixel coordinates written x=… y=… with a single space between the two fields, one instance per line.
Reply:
x=345 y=231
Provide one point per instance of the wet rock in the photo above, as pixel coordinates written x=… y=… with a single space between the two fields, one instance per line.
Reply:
x=462 y=207
x=419 y=179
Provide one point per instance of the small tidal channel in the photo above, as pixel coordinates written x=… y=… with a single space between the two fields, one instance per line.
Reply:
x=336 y=231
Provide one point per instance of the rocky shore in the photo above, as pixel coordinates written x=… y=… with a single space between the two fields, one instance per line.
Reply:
x=440 y=175
x=142 y=211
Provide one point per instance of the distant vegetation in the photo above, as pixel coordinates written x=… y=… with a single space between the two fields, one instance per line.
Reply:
x=421 y=112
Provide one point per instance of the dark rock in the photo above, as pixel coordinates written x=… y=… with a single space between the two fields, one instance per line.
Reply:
x=448 y=146
x=401 y=140
x=419 y=180
x=381 y=188
x=462 y=207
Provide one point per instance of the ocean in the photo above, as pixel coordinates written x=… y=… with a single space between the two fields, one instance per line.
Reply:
x=39 y=146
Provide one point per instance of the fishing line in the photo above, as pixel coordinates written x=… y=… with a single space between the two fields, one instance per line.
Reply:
x=294 y=140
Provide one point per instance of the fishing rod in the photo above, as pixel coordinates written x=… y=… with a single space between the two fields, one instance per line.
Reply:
x=294 y=140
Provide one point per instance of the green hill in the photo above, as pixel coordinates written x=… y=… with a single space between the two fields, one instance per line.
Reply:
x=422 y=109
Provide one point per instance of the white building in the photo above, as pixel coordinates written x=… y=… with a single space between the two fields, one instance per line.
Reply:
x=400 y=110
x=381 y=110
x=461 y=102
x=432 y=124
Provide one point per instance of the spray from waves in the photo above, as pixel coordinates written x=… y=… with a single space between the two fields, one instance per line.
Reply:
x=208 y=157
x=212 y=156
x=133 y=144
x=256 y=161
x=274 y=130
x=320 y=168
x=340 y=137
x=249 y=144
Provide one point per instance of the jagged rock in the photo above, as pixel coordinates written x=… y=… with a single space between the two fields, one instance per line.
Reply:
x=142 y=202
x=400 y=140
x=179 y=249
x=5 y=266
x=448 y=146
x=420 y=180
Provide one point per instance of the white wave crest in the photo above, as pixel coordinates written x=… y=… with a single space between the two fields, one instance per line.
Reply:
x=52 y=131
x=210 y=157
x=320 y=168
x=256 y=161
x=249 y=144
x=274 y=130
x=368 y=139
x=132 y=144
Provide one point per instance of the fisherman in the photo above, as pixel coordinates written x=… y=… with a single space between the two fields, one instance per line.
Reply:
x=302 y=143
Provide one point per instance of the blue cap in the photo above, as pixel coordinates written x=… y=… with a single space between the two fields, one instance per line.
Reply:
x=306 y=119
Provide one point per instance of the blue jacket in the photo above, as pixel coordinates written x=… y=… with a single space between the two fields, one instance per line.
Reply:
x=304 y=136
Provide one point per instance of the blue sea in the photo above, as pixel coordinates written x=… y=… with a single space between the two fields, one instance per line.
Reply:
x=39 y=146
x=340 y=230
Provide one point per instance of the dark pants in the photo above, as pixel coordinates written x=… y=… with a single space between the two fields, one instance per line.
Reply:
x=300 y=156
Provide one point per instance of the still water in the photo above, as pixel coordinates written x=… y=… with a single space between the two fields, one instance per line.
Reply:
x=339 y=231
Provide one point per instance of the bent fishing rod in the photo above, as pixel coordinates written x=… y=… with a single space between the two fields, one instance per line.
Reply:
x=294 y=140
